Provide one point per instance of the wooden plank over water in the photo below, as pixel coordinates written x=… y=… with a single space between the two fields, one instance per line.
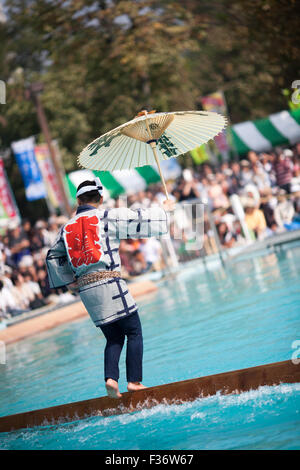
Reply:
x=174 y=393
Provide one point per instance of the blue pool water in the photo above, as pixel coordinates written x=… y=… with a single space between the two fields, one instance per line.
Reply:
x=199 y=323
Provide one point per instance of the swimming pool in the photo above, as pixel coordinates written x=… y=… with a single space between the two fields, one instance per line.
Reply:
x=199 y=323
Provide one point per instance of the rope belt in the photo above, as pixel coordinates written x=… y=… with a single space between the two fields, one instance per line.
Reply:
x=97 y=276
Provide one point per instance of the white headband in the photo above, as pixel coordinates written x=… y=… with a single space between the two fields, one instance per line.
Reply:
x=87 y=189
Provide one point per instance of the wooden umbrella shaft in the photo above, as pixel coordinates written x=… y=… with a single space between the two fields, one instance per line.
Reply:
x=153 y=146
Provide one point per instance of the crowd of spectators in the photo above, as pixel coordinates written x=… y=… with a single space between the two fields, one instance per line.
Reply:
x=23 y=278
x=268 y=185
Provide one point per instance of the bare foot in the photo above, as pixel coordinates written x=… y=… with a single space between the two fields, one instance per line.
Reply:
x=112 y=388
x=134 y=386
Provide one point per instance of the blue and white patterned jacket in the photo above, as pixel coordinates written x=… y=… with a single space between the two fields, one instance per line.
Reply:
x=88 y=243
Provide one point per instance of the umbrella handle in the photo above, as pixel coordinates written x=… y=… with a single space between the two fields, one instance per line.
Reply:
x=144 y=112
x=153 y=146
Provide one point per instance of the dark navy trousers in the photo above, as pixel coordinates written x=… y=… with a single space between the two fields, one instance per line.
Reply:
x=115 y=334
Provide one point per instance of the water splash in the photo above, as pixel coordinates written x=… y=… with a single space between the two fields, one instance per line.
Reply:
x=225 y=417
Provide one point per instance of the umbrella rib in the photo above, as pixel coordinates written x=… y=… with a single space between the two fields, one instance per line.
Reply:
x=179 y=140
x=139 y=158
x=132 y=154
x=168 y=146
x=199 y=121
x=96 y=164
x=140 y=150
x=147 y=154
x=85 y=161
x=188 y=136
x=114 y=154
x=214 y=128
x=205 y=116
x=206 y=133
x=181 y=149
x=126 y=147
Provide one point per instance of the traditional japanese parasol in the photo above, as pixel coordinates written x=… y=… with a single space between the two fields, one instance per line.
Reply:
x=151 y=137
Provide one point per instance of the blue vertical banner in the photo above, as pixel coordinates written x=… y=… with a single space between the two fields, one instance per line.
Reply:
x=29 y=168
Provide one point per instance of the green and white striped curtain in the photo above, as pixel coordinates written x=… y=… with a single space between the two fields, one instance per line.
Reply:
x=114 y=183
x=123 y=181
x=263 y=134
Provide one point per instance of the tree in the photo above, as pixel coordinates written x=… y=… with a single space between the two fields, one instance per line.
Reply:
x=102 y=61
x=250 y=50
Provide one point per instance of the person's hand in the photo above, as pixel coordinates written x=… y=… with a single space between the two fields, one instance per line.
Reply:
x=169 y=205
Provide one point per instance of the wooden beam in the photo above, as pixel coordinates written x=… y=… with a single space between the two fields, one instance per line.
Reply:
x=174 y=393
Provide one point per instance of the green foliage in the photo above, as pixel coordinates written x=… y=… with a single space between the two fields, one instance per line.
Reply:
x=102 y=61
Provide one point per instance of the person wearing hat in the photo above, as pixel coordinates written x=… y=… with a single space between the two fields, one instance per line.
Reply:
x=87 y=251
x=283 y=171
x=246 y=175
x=254 y=218
x=284 y=211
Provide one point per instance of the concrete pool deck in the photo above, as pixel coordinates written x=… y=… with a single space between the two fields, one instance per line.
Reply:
x=64 y=314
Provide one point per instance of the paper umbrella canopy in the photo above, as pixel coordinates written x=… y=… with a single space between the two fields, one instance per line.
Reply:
x=150 y=138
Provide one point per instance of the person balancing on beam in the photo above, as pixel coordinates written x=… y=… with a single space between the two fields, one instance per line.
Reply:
x=85 y=257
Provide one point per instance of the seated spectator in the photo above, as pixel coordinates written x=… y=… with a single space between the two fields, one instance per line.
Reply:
x=26 y=227
x=216 y=194
x=151 y=250
x=35 y=294
x=234 y=185
x=6 y=251
x=267 y=206
x=8 y=303
x=246 y=175
x=283 y=170
x=12 y=300
x=19 y=246
x=261 y=178
x=2 y=259
x=50 y=233
x=236 y=170
x=133 y=258
x=43 y=282
x=20 y=291
x=254 y=218
x=250 y=190
x=227 y=236
x=188 y=187
x=37 y=237
x=284 y=211
x=253 y=158
x=126 y=268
